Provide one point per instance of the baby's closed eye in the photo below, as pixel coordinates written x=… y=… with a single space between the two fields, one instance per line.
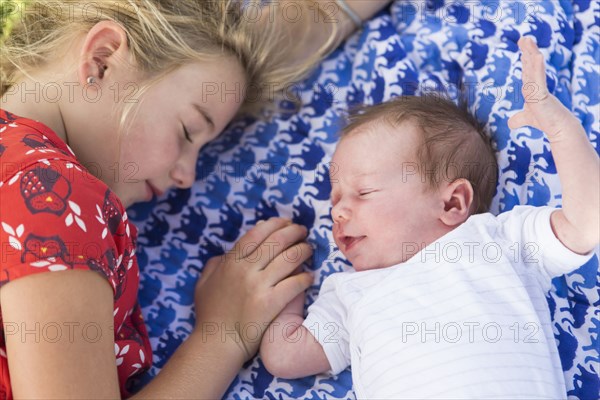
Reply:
x=366 y=192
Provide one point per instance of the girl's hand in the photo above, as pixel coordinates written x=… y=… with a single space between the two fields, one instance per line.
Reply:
x=241 y=292
x=542 y=110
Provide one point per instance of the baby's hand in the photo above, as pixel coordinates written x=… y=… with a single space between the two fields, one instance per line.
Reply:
x=542 y=110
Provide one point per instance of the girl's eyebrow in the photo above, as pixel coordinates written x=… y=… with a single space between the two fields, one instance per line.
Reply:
x=205 y=114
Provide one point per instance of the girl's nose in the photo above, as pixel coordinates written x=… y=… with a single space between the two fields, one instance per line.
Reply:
x=184 y=172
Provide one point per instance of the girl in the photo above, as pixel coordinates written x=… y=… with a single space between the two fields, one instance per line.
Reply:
x=106 y=104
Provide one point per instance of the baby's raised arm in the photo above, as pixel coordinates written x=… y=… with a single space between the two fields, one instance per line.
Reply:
x=288 y=349
x=577 y=224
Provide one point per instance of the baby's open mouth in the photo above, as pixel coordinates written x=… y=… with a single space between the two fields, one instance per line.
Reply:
x=350 y=241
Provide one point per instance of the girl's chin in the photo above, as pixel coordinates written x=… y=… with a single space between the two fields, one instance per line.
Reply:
x=128 y=200
x=130 y=197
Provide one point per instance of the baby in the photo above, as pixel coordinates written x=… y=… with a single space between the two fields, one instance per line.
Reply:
x=445 y=301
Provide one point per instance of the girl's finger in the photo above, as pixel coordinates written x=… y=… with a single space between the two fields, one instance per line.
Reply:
x=276 y=244
x=256 y=236
x=209 y=268
x=287 y=290
x=287 y=263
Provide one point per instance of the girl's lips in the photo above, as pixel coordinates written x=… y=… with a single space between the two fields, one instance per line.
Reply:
x=152 y=191
x=149 y=192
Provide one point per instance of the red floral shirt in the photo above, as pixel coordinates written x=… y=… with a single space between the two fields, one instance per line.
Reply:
x=56 y=216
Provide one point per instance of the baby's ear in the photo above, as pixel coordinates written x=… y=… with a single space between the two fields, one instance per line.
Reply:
x=458 y=198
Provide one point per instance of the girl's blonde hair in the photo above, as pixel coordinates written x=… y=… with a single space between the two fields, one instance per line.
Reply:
x=166 y=34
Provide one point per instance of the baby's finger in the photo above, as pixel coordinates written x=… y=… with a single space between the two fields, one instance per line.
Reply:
x=534 y=67
x=538 y=72
x=518 y=120
x=527 y=45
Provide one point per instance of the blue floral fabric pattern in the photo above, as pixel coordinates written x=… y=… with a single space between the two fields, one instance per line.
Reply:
x=280 y=167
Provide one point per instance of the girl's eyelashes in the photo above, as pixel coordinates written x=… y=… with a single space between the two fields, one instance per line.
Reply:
x=187 y=134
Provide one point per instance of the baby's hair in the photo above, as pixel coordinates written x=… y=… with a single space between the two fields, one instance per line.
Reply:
x=164 y=35
x=455 y=145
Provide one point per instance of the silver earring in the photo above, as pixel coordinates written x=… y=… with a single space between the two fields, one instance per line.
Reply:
x=91 y=80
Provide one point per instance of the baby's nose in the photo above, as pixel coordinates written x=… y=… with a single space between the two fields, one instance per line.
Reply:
x=340 y=213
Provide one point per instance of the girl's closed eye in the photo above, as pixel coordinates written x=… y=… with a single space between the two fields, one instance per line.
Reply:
x=187 y=135
x=199 y=126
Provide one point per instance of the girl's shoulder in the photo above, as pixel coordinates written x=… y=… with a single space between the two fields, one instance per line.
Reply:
x=24 y=141
x=55 y=215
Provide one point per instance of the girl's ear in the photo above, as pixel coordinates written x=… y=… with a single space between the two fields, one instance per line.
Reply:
x=458 y=198
x=104 y=50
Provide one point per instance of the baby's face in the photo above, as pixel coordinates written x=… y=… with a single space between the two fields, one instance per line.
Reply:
x=382 y=208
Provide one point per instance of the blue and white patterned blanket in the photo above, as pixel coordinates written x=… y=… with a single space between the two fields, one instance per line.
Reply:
x=260 y=169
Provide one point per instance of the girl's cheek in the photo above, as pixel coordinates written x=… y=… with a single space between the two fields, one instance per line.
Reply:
x=166 y=152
